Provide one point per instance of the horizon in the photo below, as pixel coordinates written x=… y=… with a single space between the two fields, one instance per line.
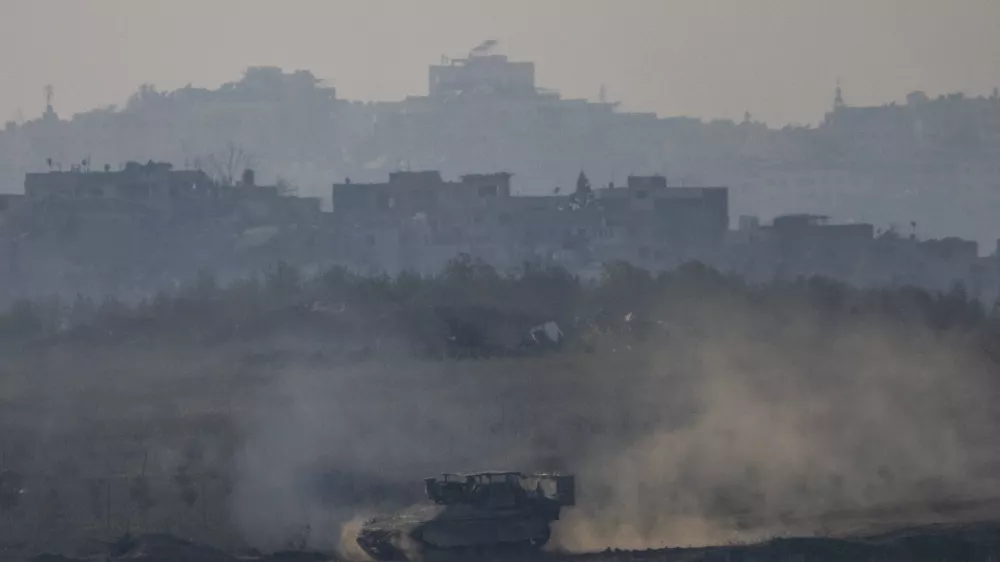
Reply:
x=648 y=66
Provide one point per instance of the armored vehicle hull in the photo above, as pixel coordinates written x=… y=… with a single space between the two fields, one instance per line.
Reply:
x=435 y=532
x=468 y=519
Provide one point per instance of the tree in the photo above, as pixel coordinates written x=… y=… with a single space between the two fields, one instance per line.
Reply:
x=584 y=194
x=583 y=184
x=228 y=164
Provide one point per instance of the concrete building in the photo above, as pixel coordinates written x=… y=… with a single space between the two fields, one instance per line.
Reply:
x=482 y=73
x=645 y=221
x=155 y=191
x=804 y=244
x=153 y=187
x=662 y=226
x=438 y=219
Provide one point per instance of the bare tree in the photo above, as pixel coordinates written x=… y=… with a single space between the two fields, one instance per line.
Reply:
x=228 y=164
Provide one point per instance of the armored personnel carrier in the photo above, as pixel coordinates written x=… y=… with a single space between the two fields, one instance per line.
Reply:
x=471 y=514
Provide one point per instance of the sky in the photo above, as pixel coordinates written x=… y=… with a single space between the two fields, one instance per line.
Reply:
x=778 y=59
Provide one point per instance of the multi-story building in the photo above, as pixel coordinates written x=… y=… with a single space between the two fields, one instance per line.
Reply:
x=153 y=187
x=431 y=219
x=155 y=191
x=666 y=225
x=646 y=221
x=482 y=74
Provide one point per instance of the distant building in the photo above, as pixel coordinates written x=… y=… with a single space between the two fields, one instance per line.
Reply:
x=645 y=222
x=152 y=187
x=155 y=190
x=407 y=193
x=436 y=219
x=482 y=73
x=805 y=244
x=664 y=225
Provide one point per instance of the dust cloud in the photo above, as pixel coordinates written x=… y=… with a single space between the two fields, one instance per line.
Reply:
x=799 y=430
x=347 y=546
x=733 y=426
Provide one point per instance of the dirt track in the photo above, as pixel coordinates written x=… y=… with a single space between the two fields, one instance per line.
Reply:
x=966 y=530
x=968 y=542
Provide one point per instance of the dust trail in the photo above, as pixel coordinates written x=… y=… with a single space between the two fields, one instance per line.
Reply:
x=747 y=423
x=348 y=547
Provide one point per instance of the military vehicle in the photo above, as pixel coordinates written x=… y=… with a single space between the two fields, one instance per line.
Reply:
x=471 y=514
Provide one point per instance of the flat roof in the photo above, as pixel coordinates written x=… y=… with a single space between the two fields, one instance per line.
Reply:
x=483 y=473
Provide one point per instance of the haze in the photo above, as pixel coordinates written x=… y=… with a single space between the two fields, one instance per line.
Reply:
x=706 y=58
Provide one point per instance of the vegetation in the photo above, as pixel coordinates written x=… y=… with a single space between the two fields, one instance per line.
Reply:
x=473 y=305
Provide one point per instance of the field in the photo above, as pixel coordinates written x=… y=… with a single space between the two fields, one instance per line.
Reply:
x=729 y=419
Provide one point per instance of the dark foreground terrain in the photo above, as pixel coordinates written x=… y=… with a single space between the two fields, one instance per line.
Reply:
x=937 y=543
x=968 y=542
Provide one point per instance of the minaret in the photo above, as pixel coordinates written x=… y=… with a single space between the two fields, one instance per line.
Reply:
x=50 y=113
x=838 y=99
